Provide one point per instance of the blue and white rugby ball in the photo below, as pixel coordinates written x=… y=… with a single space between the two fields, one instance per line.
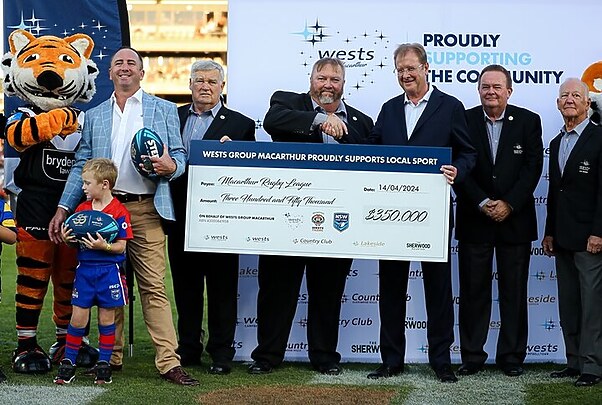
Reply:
x=146 y=143
x=91 y=221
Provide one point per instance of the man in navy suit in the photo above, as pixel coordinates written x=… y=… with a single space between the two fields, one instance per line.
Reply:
x=573 y=233
x=319 y=116
x=206 y=118
x=421 y=116
x=495 y=212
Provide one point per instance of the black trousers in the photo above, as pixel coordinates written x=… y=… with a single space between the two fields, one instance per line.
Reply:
x=475 y=266
x=190 y=271
x=393 y=287
x=279 y=280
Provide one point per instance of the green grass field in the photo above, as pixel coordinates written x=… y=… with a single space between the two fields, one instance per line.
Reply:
x=293 y=383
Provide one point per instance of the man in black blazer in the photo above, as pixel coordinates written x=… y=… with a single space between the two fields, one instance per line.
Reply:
x=495 y=212
x=206 y=118
x=421 y=116
x=574 y=233
x=319 y=116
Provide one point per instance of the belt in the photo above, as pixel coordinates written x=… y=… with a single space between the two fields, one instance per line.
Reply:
x=125 y=198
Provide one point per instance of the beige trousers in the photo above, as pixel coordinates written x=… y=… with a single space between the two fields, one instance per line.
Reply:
x=146 y=255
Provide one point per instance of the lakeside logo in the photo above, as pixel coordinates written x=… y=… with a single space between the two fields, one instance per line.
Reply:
x=340 y=221
x=365 y=52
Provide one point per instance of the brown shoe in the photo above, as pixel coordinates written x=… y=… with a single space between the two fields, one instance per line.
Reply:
x=177 y=375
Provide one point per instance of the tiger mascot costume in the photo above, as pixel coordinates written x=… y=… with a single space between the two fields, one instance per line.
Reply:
x=592 y=76
x=50 y=74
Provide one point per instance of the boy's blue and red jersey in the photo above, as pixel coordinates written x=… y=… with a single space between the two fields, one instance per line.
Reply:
x=120 y=214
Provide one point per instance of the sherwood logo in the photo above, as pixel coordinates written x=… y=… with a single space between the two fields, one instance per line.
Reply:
x=412 y=323
x=370 y=348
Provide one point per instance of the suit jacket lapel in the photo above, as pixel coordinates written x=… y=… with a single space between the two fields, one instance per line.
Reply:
x=105 y=140
x=431 y=106
x=575 y=153
x=484 y=136
x=214 y=130
x=508 y=124
x=148 y=110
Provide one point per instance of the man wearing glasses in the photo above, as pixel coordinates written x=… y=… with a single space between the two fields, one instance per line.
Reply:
x=421 y=116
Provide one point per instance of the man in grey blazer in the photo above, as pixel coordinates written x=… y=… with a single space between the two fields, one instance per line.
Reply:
x=108 y=131
x=573 y=232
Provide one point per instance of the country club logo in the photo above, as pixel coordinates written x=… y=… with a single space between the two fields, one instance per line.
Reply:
x=340 y=221
x=365 y=51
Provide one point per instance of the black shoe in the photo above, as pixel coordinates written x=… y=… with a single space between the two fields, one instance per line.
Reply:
x=329 y=368
x=103 y=373
x=91 y=372
x=587 y=380
x=469 y=368
x=385 y=371
x=565 y=372
x=512 y=370
x=32 y=361
x=445 y=374
x=66 y=373
x=220 y=369
x=260 y=367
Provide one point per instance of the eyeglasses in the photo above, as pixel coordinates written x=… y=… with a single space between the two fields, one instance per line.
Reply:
x=409 y=70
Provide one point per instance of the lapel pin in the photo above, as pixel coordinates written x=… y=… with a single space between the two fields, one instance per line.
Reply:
x=354 y=118
x=510 y=118
x=221 y=117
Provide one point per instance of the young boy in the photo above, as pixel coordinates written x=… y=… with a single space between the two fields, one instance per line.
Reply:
x=8 y=234
x=97 y=278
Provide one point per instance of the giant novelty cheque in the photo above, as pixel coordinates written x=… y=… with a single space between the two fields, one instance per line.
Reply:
x=370 y=202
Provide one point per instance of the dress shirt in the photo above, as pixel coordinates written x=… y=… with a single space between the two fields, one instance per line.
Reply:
x=414 y=111
x=125 y=124
x=197 y=124
x=568 y=141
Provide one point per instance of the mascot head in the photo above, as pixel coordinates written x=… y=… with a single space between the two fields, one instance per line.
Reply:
x=593 y=78
x=49 y=72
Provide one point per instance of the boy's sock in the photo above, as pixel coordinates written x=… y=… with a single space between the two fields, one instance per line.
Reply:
x=74 y=342
x=106 y=341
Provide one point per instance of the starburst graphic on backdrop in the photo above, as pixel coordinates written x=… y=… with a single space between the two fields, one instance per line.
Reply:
x=364 y=53
x=37 y=26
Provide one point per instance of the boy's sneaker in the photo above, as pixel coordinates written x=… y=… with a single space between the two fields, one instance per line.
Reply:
x=103 y=373
x=66 y=372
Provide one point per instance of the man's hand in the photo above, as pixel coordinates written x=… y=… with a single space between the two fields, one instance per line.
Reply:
x=54 y=228
x=164 y=165
x=548 y=246
x=594 y=244
x=450 y=172
x=334 y=127
x=498 y=210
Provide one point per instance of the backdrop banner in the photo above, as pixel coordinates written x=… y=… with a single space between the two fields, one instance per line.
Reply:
x=272 y=46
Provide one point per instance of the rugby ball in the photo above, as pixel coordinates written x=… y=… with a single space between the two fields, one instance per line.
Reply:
x=146 y=143
x=91 y=221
